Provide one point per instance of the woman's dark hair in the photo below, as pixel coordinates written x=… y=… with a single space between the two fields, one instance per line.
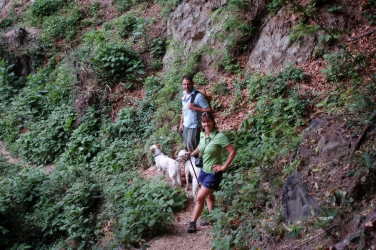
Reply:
x=187 y=77
x=208 y=115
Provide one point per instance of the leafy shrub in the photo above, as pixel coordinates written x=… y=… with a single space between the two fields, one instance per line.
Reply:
x=200 y=79
x=70 y=214
x=7 y=90
x=240 y=225
x=44 y=92
x=241 y=4
x=300 y=30
x=124 y=5
x=46 y=139
x=128 y=24
x=168 y=6
x=60 y=26
x=83 y=143
x=158 y=47
x=273 y=86
x=11 y=19
x=369 y=11
x=19 y=190
x=117 y=62
x=229 y=64
x=267 y=135
x=152 y=84
x=220 y=89
x=42 y=8
x=134 y=124
x=120 y=156
x=342 y=65
x=147 y=209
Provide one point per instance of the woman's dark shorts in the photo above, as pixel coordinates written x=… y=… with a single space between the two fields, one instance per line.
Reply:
x=210 y=180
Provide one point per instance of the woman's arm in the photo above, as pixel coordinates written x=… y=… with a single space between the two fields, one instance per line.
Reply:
x=195 y=152
x=232 y=153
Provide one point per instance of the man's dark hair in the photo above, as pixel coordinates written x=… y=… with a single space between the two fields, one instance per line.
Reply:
x=187 y=77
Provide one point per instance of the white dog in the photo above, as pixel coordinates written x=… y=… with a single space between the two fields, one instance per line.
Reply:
x=166 y=164
x=189 y=167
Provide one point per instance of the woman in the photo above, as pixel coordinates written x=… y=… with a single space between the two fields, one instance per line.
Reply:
x=211 y=146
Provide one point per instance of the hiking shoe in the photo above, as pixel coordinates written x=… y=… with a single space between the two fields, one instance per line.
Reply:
x=204 y=223
x=192 y=227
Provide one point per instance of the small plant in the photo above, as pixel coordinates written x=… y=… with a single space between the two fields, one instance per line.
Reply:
x=168 y=6
x=300 y=30
x=43 y=8
x=46 y=139
x=230 y=64
x=128 y=24
x=340 y=66
x=369 y=11
x=147 y=210
x=200 y=79
x=276 y=5
x=220 y=89
x=152 y=84
x=117 y=62
x=125 y=5
x=158 y=47
x=335 y=9
x=141 y=29
x=62 y=26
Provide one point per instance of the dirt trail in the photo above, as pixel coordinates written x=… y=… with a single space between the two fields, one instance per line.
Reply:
x=178 y=238
x=7 y=155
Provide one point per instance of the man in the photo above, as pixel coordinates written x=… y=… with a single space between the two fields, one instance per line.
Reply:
x=190 y=122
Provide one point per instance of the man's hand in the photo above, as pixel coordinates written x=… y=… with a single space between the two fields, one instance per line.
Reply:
x=191 y=106
x=181 y=127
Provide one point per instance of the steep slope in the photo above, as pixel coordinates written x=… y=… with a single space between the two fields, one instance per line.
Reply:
x=90 y=85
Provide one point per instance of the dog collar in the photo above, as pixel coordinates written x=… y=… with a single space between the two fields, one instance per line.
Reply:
x=156 y=155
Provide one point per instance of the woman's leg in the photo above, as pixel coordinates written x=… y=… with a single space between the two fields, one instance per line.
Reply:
x=210 y=200
x=202 y=194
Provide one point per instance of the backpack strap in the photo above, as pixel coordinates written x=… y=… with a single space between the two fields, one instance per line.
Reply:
x=195 y=94
x=193 y=97
x=192 y=101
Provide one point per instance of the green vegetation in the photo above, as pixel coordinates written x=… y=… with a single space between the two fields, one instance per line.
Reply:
x=97 y=149
x=44 y=8
x=114 y=62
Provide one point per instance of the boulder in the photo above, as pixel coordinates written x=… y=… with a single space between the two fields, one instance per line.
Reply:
x=296 y=203
x=273 y=48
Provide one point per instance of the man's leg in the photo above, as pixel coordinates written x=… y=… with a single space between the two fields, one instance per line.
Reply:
x=191 y=138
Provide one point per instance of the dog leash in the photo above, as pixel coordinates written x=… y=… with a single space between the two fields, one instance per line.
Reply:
x=194 y=171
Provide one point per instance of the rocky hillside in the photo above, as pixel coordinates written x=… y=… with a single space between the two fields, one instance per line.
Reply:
x=90 y=85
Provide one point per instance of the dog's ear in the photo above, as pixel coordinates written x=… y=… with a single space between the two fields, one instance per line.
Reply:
x=152 y=150
x=158 y=145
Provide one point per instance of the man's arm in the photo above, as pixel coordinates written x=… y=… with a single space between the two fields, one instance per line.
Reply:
x=201 y=103
x=181 y=127
x=191 y=106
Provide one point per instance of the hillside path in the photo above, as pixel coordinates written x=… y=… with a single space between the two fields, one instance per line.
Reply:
x=177 y=238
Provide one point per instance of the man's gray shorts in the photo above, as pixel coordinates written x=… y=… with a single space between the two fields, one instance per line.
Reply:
x=191 y=138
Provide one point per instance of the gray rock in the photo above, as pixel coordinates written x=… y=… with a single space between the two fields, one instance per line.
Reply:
x=296 y=203
x=316 y=124
x=273 y=48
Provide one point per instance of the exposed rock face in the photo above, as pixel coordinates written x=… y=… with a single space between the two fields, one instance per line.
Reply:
x=16 y=40
x=296 y=203
x=325 y=141
x=273 y=49
x=192 y=27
